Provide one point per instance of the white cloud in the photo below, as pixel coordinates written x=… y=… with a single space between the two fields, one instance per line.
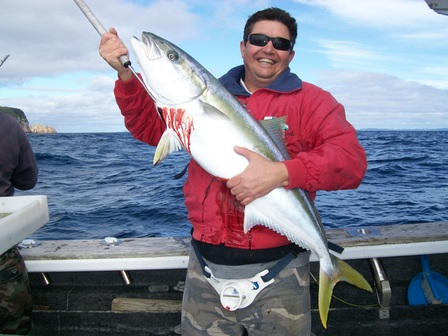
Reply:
x=82 y=112
x=374 y=100
x=384 y=14
x=41 y=44
x=55 y=73
x=404 y=38
x=371 y=54
x=350 y=54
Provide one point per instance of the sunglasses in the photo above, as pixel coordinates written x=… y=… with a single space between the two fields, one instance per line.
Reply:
x=261 y=40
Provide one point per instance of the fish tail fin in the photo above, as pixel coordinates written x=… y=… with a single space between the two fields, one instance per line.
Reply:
x=326 y=284
x=352 y=276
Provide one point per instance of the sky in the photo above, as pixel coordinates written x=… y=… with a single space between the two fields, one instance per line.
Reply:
x=386 y=61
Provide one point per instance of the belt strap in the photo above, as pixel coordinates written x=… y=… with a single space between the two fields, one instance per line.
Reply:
x=272 y=272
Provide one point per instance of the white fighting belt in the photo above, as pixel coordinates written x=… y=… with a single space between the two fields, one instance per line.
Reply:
x=237 y=293
x=240 y=293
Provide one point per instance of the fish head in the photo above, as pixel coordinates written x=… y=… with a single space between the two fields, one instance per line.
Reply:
x=171 y=76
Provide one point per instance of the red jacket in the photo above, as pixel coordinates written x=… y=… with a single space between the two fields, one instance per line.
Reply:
x=325 y=153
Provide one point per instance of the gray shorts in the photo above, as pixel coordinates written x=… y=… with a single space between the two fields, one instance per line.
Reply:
x=282 y=308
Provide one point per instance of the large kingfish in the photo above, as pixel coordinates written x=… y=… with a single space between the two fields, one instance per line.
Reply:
x=202 y=117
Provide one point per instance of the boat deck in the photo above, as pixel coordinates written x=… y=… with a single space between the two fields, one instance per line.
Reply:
x=135 y=287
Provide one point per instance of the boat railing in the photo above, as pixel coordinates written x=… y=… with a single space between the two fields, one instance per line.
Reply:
x=159 y=253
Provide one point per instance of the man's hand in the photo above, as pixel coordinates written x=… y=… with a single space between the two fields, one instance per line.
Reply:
x=259 y=178
x=111 y=48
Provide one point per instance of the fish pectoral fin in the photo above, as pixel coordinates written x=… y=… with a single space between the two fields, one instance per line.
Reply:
x=168 y=143
x=212 y=110
x=326 y=284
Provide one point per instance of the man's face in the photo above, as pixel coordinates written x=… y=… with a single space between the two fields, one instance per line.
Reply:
x=264 y=64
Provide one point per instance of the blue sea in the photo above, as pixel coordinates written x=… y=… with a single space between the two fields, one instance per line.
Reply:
x=104 y=184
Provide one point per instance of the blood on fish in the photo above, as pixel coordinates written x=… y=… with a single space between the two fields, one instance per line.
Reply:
x=179 y=122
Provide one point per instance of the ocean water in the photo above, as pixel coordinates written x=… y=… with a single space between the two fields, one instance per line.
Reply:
x=104 y=184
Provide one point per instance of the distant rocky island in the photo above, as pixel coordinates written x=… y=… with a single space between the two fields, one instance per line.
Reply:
x=23 y=121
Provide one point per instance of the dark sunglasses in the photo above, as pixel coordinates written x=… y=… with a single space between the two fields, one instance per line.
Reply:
x=261 y=40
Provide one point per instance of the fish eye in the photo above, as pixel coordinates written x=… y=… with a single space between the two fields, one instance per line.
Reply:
x=172 y=56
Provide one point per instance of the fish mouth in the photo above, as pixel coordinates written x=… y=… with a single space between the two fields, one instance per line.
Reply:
x=149 y=47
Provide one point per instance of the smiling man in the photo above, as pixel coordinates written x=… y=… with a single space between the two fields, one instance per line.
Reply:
x=266 y=57
x=324 y=155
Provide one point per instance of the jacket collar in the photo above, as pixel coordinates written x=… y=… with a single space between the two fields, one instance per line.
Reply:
x=286 y=82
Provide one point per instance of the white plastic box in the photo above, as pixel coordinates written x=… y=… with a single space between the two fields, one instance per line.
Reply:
x=20 y=217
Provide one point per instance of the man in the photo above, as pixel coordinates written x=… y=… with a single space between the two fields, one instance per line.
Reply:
x=325 y=154
x=18 y=169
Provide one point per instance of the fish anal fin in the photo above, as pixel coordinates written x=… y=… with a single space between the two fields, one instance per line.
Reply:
x=253 y=217
x=326 y=284
x=168 y=143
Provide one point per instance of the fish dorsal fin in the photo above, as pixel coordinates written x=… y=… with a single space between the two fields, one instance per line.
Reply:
x=168 y=143
x=252 y=218
x=276 y=127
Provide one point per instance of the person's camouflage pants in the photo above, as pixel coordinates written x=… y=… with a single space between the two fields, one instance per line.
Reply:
x=282 y=308
x=15 y=295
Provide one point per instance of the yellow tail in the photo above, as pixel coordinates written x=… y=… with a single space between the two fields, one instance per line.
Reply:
x=343 y=272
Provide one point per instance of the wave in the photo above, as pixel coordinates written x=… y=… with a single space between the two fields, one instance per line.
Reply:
x=104 y=184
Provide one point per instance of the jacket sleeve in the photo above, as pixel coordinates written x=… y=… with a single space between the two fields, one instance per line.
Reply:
x=332 y=157
x=25 y=173
x=139 y=111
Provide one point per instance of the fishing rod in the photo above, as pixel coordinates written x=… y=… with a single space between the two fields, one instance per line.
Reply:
x=4 y=60
x=101 y=30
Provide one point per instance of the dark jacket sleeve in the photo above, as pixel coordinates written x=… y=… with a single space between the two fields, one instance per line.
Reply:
x=18 y=168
